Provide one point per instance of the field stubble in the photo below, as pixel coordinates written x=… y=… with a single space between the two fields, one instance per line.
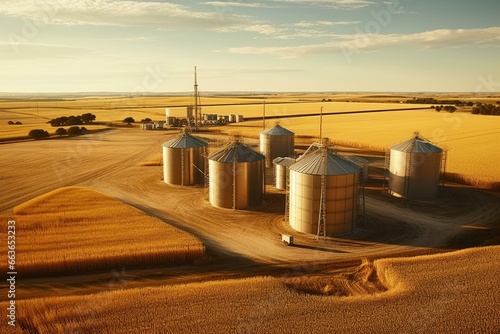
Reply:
x=76 y=230
x=446 y=293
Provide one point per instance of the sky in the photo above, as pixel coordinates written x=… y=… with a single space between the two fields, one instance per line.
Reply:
x=143 y=46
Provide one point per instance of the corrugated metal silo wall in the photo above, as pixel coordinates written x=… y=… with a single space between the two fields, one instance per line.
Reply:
x=280 y=172
x=183 y=166
x=341 y=204
x=276 y=146
x=249 y=180
x=414 y=175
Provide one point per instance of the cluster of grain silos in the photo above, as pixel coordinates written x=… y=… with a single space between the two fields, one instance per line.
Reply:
x=322 y=176
x=281 y=171
x=184 y=160
x=323 y=189
x=276 y=142
x=415 y=168
x=236 y=177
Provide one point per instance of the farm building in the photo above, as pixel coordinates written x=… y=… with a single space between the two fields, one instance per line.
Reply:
x=236 y=177
x=281 y=172
x=414 y=169
x=363 y=163
x=276 y=142
x=184 y=160
x=323 y=186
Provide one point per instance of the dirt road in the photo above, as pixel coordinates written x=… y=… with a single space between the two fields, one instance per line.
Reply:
x=109 y=162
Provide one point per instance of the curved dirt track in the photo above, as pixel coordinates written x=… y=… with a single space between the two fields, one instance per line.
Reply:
x=109 y=162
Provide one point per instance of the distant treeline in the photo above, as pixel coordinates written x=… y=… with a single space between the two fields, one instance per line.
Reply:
x=486 y=109
x=431 y=100
x=73 y=120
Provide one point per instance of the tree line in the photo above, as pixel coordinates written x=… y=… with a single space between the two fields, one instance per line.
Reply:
x=86 y=118
x=431 y=100
x=486 y=109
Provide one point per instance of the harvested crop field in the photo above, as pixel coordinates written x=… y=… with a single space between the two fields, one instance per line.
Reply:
x=75 y=230
x=247 y=280
x=447 y=293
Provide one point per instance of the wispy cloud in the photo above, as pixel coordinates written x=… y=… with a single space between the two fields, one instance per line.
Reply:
x=41 y=50
x=116 y=13
x=345 y=4
x=440 y=38
x=307 y=24
x=239 y=4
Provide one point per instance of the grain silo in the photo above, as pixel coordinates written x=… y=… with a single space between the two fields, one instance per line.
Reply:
x=236 y=177
x=415 y=168
x=276 y=142
x=281 y=166
x=323 y=195
x=361 y=162
x=184 y=160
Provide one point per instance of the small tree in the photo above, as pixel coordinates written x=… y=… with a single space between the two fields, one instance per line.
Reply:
x=11 y=123
x=74 y=131
x=146 y=120
x=129 y=120
x=87 y=118
x=61 y=132
x=38 y=134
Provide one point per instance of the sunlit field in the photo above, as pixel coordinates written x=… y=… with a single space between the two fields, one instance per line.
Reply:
x=77 y=230
x=471 y=140
x=447 y=293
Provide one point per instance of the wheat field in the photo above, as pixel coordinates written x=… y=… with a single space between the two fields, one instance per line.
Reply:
x=470 y=140
x=445 y=293
x=74 y=230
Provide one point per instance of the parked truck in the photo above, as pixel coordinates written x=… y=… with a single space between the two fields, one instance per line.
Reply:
x=287 y=239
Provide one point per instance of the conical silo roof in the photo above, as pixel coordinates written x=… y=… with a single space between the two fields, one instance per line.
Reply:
x=277 y=130
x=416 y=145
x=236 y=151
x=313 y=164
x=284 y=161
x=185 y=140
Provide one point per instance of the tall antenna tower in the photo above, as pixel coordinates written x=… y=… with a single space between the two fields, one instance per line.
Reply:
x=197 y=110
x=321 y=231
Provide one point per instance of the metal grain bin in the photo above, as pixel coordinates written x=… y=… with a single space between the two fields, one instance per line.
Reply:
x=363 y=163
x=276 y=142
x=341 y=191
x=236 y=177
x=281 y=166
x=184 y=160
x=414 y=169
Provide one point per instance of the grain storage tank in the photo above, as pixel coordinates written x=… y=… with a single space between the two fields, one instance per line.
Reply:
x=363 y=163
x=281 y=166
x=184 y=160
x=414 y=169
x=276 y=142
x=341 y=190
x=236 y=177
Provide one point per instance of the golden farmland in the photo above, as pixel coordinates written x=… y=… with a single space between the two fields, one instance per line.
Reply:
x=89 y=262
x=76 y=230
x=425 y=294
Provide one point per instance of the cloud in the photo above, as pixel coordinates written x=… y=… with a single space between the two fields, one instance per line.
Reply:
x=116 y=13
x=24 y=51
x=239 y=4
x=440 y=38
x=307 y=24
x=343 y=4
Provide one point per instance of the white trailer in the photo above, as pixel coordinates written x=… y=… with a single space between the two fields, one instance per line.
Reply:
x=287 y=239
